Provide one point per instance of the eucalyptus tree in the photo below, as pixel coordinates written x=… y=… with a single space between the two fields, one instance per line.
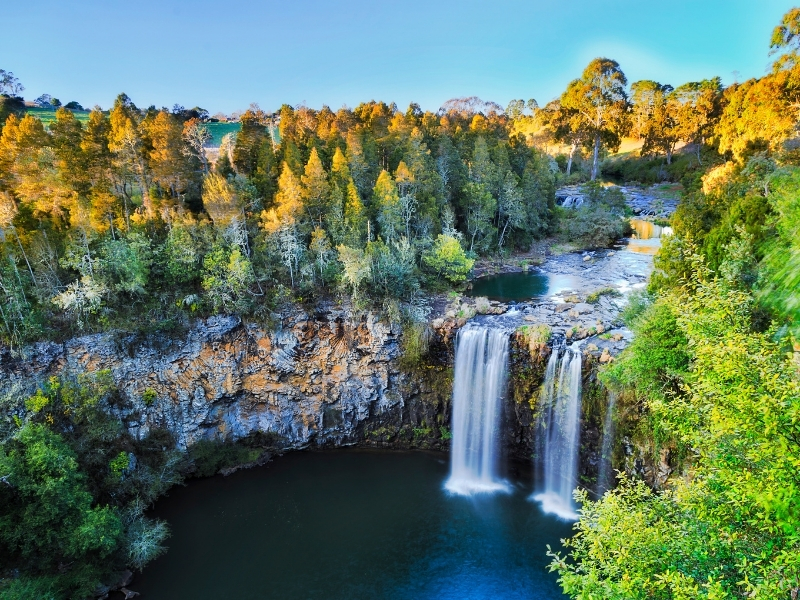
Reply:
x=567 y=126
x=601 y=102
x=697 y=111
x=654 y=117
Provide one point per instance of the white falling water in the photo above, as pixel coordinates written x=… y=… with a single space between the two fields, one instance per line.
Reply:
x=478 y=386
x=605 y=479
x=559 y=431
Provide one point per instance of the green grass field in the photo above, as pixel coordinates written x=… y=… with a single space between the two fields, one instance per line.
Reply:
x=47 y=116
x=217 y=130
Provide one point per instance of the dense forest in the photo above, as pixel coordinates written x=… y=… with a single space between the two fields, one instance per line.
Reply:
x=125 y=223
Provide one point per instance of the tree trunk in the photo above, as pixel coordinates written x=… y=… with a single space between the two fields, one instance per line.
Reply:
x=25 y=256
x=596 y=157
x=502 y=237
x=669 y=156
x=571 y=154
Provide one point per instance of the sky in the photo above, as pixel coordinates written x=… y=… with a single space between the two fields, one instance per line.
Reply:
x=223 y=55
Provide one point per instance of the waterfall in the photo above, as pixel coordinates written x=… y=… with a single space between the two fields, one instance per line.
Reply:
x=559 y=431
x=605 y=479
x=478 y=386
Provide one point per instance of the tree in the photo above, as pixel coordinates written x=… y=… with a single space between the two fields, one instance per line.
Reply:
x=221 y=201
x=130 y=149
x=386 y=202
x=44 y=101
x=510 y=208
x=227 y=277
x=47 y=514
x=168 y=155
x=320 y=251
x=566 y=126
x=479 y=208
x=356 y=268
x=354 y=215
x=654 y=117
x=251 y=136
x=447 y=259
x=785 y=40
x=538 y=192
x=697 y=110
x=599 y=97
x=360 y=169
x=9 y=84
x=197 y=136
x=288 y=202
x=316 y=190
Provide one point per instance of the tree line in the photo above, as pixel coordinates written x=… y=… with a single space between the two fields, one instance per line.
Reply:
x=371 y=202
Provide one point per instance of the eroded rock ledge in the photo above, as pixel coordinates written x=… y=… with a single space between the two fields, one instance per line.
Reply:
x=328 y=378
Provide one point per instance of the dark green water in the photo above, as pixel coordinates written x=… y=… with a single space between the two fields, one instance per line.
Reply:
x=509 y=287
x=350 y=525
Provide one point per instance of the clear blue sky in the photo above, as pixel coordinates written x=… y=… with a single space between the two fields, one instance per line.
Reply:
x=222 y=55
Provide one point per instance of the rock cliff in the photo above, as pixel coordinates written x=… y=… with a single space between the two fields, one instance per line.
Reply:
x=328 y=378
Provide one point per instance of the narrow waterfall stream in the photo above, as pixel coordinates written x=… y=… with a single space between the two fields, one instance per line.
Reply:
x=559 y=431
x=606 y=480
x=478 y=386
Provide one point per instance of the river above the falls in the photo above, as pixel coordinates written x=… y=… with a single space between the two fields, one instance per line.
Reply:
x=351 y=524
x=626 y=267
x=509 y=287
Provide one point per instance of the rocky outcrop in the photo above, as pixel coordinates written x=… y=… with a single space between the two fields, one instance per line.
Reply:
x=328 y=378
x=642 y=201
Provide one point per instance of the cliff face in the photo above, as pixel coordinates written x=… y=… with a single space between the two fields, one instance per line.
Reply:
x=330 y=378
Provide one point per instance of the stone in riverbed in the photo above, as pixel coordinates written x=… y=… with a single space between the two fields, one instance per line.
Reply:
x=583 y=308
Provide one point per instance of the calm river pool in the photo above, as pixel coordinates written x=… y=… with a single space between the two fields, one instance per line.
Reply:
x=351 y=524
x=510 y=287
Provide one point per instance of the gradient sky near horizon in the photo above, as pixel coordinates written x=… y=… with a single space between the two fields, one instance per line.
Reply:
x=224 y=55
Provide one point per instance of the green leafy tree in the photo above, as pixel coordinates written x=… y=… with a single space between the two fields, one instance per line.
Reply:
x=227 y=277
x=447 y=259
x=479 y=207
x=46 y=512
x=386 y=202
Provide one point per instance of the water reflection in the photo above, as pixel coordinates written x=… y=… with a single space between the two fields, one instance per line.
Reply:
x=646 y=238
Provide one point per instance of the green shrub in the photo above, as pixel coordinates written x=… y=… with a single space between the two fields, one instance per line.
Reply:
x=149 y=396
x=594 y=297
x=447 y=259
x=592 y=226
x=414 y=344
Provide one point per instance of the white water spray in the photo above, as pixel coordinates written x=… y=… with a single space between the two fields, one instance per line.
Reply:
x=478 y=386
x=559 y=431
